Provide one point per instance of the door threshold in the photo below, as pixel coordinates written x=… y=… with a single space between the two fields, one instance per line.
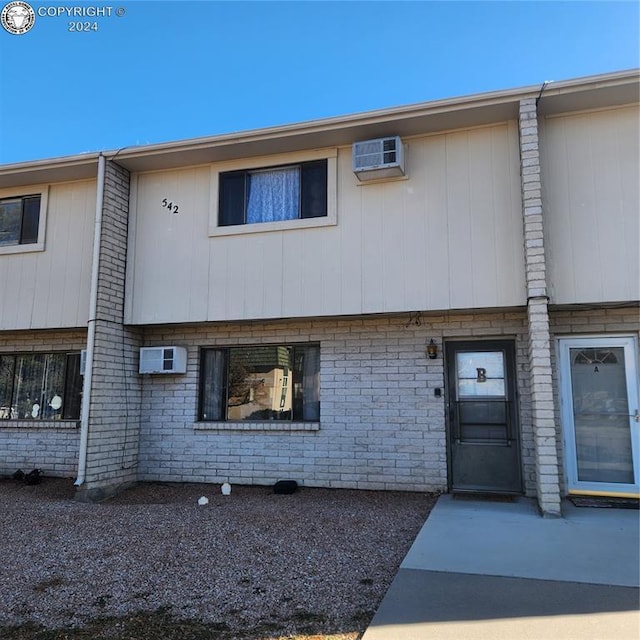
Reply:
x=605 y=502
x=485 y=496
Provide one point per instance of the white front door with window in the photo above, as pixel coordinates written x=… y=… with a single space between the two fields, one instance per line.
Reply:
x=599 y=397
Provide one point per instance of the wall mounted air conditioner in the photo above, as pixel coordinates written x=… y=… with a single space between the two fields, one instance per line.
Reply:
x=378 y=159
x=83 y=361
x=163 y=360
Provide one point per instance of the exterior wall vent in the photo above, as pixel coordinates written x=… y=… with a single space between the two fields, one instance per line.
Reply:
x=163 y=360
x=378 y=159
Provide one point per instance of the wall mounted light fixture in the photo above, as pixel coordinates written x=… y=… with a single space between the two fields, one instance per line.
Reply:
x=432 y=350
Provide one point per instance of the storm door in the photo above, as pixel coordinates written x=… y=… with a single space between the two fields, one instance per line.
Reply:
x=484 y=441
x=599 y=397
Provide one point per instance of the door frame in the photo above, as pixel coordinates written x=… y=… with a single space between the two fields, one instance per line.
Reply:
x=629 y=342
x=509 y=344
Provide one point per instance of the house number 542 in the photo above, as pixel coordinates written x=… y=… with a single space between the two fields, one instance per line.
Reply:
x=172 y=206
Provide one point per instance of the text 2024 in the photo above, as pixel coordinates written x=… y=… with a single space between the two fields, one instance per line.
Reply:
x=82 y=26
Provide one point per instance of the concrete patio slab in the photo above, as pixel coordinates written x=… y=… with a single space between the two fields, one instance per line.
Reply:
x=599 y=546
x=483 y=570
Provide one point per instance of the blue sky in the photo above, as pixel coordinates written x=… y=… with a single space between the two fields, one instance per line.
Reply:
x=168 y=70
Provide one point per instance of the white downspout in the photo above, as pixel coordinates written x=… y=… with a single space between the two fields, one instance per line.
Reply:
x=91 y=333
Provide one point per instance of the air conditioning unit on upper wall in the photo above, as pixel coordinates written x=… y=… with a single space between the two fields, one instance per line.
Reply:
x=378 y=159
x=163 y=360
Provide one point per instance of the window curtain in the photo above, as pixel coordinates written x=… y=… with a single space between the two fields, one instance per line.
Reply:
x=273 y=195
x=311 y=384
x=213 y=399
x=39 y=385
x=6 y=386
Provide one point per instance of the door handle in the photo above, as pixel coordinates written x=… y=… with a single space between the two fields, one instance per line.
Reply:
x=636 y=416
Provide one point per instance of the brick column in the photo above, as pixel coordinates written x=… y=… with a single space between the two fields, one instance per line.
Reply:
x=542 y=408
x=114 y=407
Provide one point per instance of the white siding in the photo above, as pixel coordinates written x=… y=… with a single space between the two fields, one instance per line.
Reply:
x=449 y=237
x=591 y=205
x=50 y=288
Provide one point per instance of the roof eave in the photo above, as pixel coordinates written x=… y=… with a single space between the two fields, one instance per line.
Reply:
x=430 y=117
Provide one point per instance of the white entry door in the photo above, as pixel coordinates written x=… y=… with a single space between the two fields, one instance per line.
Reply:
x=600 y=415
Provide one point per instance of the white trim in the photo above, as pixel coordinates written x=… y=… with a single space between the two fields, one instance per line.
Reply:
x=630 y=345
x=130 y=271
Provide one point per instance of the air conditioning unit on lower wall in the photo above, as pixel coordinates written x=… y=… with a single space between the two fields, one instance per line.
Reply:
x=163 y=360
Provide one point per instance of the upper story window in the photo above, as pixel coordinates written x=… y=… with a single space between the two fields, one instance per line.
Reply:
x=274 y=194
x=19 y=220
x=23 y=215
x=40 y=386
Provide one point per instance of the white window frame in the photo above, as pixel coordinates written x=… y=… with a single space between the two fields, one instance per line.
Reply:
x=20 y=192
x=264 y=162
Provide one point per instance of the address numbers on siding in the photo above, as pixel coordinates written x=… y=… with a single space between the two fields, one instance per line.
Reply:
x=172 y=206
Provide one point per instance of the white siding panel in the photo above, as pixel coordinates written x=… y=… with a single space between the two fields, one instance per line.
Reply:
x=263 y=275
x=459 y=216
x=50 y=288
x=271 y=270
x=292 y=280
x=415 y=281
x=350 y=238
x=448 y=236
x=482 y=182
x=21 y=288
x=507 y=228
x=171 y=271
x=436 y=214
x=218 y=292
x=373 y=241
x=393 y=249
x=331 y=271
x=591 y=200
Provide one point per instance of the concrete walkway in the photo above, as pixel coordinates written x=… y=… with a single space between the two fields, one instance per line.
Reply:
x=482 y=570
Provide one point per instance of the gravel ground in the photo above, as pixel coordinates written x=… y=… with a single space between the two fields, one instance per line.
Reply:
x=318 y=561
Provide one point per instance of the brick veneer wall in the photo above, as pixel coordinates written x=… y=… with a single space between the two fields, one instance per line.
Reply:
x=50 y=445
x=114 y=411
x=381 y=425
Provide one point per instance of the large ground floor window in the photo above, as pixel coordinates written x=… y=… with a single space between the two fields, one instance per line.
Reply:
x=277 y=382
x=40 y=386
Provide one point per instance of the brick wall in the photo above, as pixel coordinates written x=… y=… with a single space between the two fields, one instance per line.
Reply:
x=114 y=412
x=381 y=425
x=542 y=408
x=50 y=445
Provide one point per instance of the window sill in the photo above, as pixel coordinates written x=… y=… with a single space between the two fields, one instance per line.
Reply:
x=256 y=426
x=21 y=248
x=262 y=227
x=57 y=425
